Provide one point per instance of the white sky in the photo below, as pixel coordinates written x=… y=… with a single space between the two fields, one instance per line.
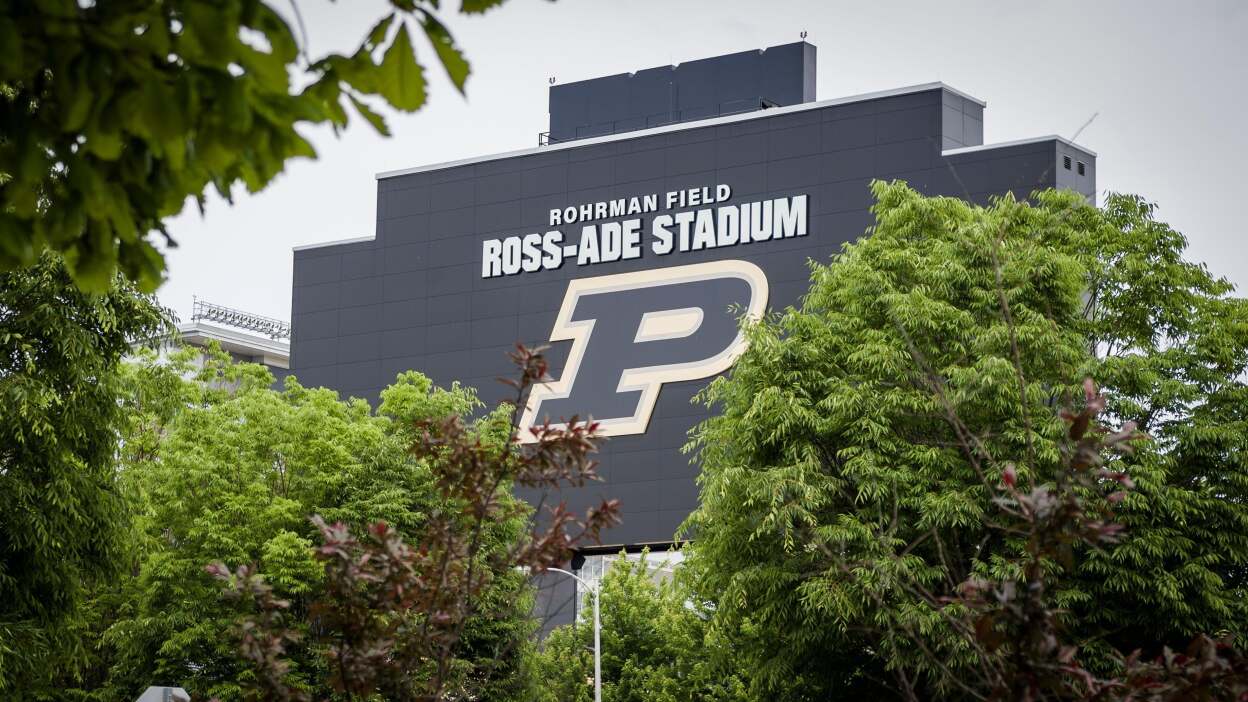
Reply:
x=1167 y=81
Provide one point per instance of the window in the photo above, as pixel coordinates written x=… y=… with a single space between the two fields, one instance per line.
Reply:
x=1066 y=162
x=1081 y=167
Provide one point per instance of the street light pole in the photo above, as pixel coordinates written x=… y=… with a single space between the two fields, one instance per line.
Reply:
x=593 y=590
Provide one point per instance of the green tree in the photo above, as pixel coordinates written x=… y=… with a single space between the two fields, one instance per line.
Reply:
x=847 y=479
x=220 y=467
x=112 y=114
x=64 y=526
x=394 y=621
x=656 y=647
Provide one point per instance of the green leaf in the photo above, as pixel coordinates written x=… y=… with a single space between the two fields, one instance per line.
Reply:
x=91 y=263
x=146 y=259
x=235 y=108
x=452 y=58
x=328 y=93
x=160 y=113
x=280 y=37
x=302 y=147
x=209 y=36
x=15 y=246
x=378 y=122
x=106 y=145
x=402 y=78
x=476 y=7
x=10 y=49
x=79 y=107
x=378 y=33
x=358 y=70
x=268 y=69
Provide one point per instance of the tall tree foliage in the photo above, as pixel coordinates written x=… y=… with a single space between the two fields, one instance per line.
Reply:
x=840 y=501
x=63 y=520
x=1022 y=647
x=112 y=114
x=1170 y=348
x=219 y=467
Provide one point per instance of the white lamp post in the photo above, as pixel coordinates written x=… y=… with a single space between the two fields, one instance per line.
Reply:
x=593 y=590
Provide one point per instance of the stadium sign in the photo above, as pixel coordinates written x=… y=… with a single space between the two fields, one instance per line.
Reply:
x=619 y=237
x=633 y=332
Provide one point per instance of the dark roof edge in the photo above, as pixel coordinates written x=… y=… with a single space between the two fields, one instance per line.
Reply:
x=1018 y=142
x=727 y=119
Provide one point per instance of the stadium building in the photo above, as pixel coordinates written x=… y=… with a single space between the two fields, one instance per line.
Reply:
x=658 y=200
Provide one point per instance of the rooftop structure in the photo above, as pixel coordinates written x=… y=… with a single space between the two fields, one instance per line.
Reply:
x=732 y=84
x=247 y=337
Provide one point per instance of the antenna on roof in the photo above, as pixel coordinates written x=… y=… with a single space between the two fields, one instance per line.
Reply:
x=803 y=33
x=1085 y=126
x=552 y=80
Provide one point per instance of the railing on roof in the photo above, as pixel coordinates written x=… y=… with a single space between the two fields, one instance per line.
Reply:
x=272 y=328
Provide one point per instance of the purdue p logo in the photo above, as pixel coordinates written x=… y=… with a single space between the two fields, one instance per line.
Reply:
x=633 y=332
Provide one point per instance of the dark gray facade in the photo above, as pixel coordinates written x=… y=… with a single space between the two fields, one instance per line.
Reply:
x=414 y=297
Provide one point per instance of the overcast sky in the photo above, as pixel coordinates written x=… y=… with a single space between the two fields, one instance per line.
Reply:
x=1166 y=81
